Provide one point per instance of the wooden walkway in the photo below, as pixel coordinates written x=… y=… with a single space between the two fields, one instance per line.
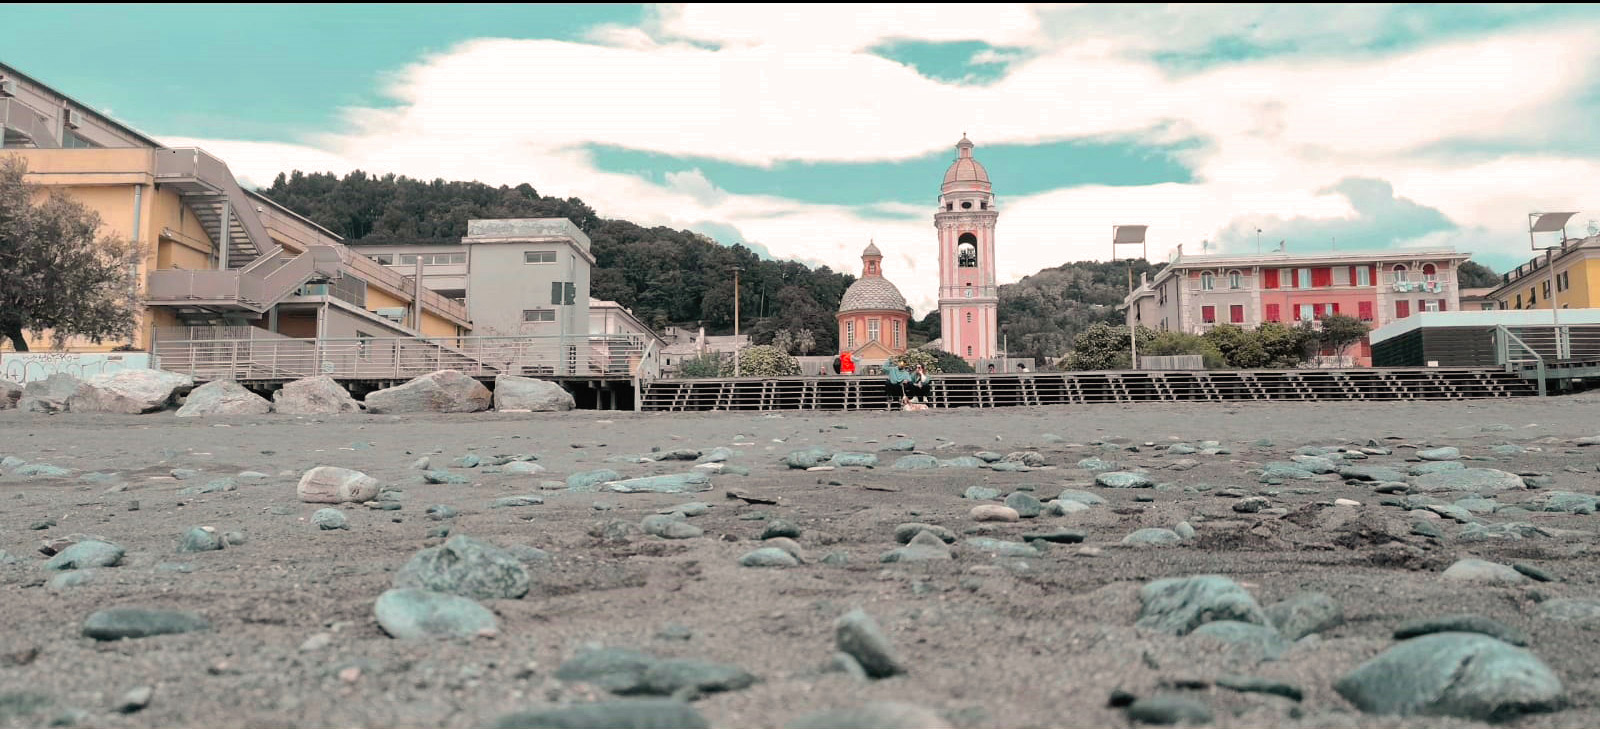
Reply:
x=1065 y=388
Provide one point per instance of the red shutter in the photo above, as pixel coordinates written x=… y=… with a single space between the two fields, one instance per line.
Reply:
x=1272 y=309
x=1364 y=310
x=1335 y=308
x=1353 y=274
x=1402 y=309
x=1269 y=279
x=1236 y=314
x=1318 y=311
x=1372 y=274
x=1208 y=314
x=1321 y=277
x=1442 y=303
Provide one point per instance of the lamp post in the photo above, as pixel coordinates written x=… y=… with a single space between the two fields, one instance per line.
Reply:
x=1550 y=223
x=736 y=270
x=1122 y=235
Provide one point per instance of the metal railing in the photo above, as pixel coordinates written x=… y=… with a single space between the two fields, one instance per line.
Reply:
x=1515 y=354
x=375 y=272
x=402 y=358
x=1172 y=362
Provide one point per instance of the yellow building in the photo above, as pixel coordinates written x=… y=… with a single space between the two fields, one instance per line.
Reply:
x=222 y=262
x=1576 y=279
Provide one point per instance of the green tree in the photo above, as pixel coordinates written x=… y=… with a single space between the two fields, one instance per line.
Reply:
x=1240 y=348
x=57 y=272
x=800 y=342
x=1180 y=343
x=706 y=365
x=1042 y=314
x=1102 y=346
x=762 y=360
x=1340 y=332
x=1284 y=345
x=1474 y=275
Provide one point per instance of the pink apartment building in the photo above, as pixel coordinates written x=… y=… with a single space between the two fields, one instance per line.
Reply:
x=1195 y=293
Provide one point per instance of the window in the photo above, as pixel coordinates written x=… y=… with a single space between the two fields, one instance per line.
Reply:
x=896 y=327
x=873 y=330
x=1402 y=309
x=1269 y=278
x=1429 y=271
x=1207 y=281
x=1208 y=314
x=949 y=206
x=538 y=315
x=71 y=140
x=361 y=343
x=1302 y=278
x=1561 y=282
x=386 y=259
x=1273 y=313
x=538 y=256
x=1519 y=301
x=1430 y=305
x=1286 y=278
x=1400 y=273
x=1363 y=276
x=983 y=205
x=1364 y=309
x=1235 y=280
x=1236 y=314
x=1533 y=297
x=1442 y=304
x=408 y=259
x=556 y=290
x=967 y=251
x=1303 y=312
x=1321 y=277
x=966 y=205
x=969 y=350
x=1545 y=286
x=969 y=317
x=850 y=335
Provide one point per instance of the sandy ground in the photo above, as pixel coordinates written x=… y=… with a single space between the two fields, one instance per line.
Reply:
x=990 y=642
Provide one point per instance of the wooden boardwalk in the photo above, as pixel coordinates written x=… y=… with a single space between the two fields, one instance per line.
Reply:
x=1067 y=388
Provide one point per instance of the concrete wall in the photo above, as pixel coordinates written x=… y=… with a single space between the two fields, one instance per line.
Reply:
x=500 y=286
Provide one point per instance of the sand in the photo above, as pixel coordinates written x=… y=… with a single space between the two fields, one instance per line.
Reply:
x=990 y=642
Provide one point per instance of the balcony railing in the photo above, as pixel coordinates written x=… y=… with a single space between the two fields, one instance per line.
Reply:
x=1417 y=282
x=402 y=358
x=375 y=272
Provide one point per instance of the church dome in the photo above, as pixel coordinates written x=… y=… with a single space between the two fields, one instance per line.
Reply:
x=872 y=293
x=965 y=168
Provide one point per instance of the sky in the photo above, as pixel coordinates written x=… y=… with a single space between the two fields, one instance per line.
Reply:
x=806 y=131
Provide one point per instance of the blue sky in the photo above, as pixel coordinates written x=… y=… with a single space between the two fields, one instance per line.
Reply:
x=806 y=130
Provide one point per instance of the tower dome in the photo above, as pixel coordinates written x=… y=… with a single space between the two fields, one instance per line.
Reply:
x=965 y=173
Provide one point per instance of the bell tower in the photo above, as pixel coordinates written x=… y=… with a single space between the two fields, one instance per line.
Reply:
x=969 y=301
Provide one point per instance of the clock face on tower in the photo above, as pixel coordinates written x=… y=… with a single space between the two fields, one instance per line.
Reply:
x=965 y=221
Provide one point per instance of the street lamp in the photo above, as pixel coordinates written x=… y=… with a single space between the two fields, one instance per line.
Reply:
x=1550 y=223
x=1128 y=235
x=736 y=270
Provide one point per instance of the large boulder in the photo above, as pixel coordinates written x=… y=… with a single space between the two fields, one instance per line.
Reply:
x=321 y=395
x=49 y=395
x=445 y=391
x=1464 y=675
x=1178 y=605
x=526 y=393
x=223 y=397
x=1475 y=480
x=467 y=567
x=334 y=485
x=10 y=393
x=129 y=392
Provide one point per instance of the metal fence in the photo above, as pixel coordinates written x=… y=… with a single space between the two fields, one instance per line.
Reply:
x=400 y=358
x=1171 y=362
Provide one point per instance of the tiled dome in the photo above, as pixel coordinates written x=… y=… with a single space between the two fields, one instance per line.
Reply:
x=873 y=293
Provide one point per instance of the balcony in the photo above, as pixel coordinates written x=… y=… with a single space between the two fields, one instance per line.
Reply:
x=1222 y=284
x=1416 y=283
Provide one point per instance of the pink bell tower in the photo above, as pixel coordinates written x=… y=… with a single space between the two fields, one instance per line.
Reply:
x=969 y=301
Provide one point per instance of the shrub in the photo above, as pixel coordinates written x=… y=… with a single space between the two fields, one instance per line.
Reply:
x=762 y=360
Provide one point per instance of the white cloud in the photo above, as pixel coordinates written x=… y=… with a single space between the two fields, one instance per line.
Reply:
x=758 y=84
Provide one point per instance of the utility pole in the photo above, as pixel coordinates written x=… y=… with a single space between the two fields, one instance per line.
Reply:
x=736 y=270
x=1133 y=329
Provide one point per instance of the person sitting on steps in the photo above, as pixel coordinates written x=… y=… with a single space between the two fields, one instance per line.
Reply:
x=918 y=388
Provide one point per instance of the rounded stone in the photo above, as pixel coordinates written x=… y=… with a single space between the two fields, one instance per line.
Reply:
x=994 y=512
x=410 y=614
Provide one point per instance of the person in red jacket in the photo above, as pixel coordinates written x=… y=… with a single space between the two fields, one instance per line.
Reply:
x=847 y=366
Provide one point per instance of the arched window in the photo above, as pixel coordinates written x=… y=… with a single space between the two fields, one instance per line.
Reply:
x=969 y=317
x=1235 y=280
x=1207 y=281
x=1429 y=271
x=1399 y=272
x=967 y=251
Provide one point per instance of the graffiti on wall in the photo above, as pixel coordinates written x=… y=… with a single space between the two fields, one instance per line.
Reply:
x=25 y=367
